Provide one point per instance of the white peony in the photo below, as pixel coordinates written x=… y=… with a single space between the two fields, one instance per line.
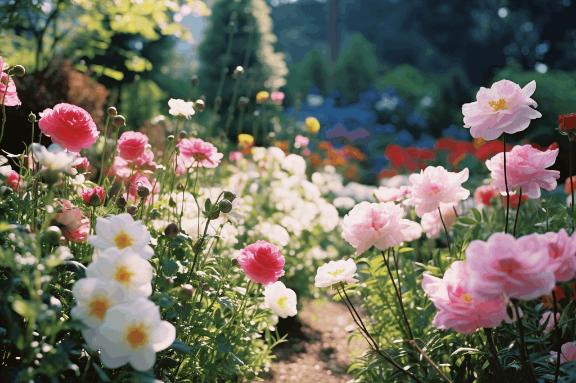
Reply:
x=335 y=272
x=181 y=108
x=280 y=299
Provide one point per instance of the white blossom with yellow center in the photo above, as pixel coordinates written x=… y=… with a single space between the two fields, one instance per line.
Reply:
x=335 y=272
x=133 y=333
x=126 y=269
x=280 y=299
x=122 y=232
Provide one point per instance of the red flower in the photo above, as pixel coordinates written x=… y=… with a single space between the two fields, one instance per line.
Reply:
x=456 y=149
x=94 y=196
x=410 y=158
x=489 y=149
x=567 y=123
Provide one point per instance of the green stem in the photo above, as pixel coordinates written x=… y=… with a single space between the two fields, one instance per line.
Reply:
x=506 y=186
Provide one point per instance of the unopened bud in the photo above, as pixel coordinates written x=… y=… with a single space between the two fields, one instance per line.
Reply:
x=170 y=137
x=182 y=135
x=199 y=105
x=52 y=235
x=225 y=206
x=112 y=111
x=143 y=191
x=238 y=72
x=171 y=230
x=121 y=203
x=243 y=101
x=119 y=121
x=31 y=118
x=194 y=80
x=187 y=290
x=132 y=210
x=19 y=71
x=229 y=196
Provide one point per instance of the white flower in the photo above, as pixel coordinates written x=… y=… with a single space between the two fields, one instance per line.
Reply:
x=132 y=273
x=180 y=107
x=335 y=272
x=133 y=333
x=329 y=217
x=55 y=160
x=93 y=299
x=294 y=164
x=273 y=233
x=122 y=232
x=344 y=203
x=280 y=299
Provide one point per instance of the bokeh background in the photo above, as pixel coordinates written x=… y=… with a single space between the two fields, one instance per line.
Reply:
x=380 y=75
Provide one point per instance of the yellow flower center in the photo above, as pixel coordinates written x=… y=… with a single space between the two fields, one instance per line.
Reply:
x=282 y=302
x=137 y=335
x=497 y=105
x=467 y=298
x=123 y=274
x=98 y=307
x=122 y=240
x=336 y=272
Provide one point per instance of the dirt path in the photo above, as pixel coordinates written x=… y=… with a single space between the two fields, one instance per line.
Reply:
x=317 y=350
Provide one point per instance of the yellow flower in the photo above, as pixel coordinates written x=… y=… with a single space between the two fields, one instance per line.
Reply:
x=312 y=125
x=245 y=140
x=262 y=96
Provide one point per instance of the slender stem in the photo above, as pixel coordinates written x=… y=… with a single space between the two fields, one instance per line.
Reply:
x=430 y=361
x=398 y=293
x=448 y=240
x=493 y=350
x=526 y=367
x=557 y=333
x=570 y=171
x=2 y=102
x=506 y=185
x=517 y=211
x=104 y=149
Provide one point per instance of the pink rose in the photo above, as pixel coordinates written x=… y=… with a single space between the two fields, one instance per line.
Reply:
x=94 y=196
x=262 y=262
x=132 y=145
x=435 y=186
x=195 y=152
x=568 y=352
x=562 y=254
x=8 y=93
x=503 y=265
x=69 y=126
x=457 y=307
x=381 y=225
x=526 y=169
x=504 y=108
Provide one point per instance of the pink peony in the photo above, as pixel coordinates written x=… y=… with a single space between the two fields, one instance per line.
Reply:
x=504 y=108
x=8 y=93
x=301 y=141
x=526 y=169
x=378 y=224
x=435 y=186
x=262 y=262
x=568 y=353
x=198 y=153
x=562 y=254
x=277 y=97
x=392 y=194
x=132 y=145
x=484 y=195
x=120 y=168
x=13 y=179
x=94 y=196
x=432 y=224
x=547 y=321
x=503 y=265
x=69 y=126
x=457 y=308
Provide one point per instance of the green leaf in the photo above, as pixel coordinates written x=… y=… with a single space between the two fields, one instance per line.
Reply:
x=169 y=267
x=24 y=308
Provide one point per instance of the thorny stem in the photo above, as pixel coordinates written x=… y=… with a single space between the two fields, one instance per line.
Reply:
x=517 y=212
x=506 y=186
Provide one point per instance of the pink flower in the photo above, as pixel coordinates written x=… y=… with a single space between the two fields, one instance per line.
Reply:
x=432 y=224
x=485 y=194
x=132 y=145
x=562 y=254
x=504 y=108
x=378 y=224
x=13 y=179
x=392 y=194
x=69 y=126
x=526 y=169
x=94 y=196
x=547 y=321
x=235 y=156
x=435 y=186
x=457 y=308
x=301 y=141
x=198 y=153
x=78 y=234
x=277 y=97
x=568 y=352
x=503 y=265
x=82 y=164
x=8 y=93
x=120 y=168
x=138 y=180
x=262 y=262
x=75 y=226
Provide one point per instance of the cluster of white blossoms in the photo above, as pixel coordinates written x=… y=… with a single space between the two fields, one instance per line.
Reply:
x=112 y=301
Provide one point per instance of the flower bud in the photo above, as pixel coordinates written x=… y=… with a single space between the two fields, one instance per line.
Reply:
x=5 y=191
x=19 y=71
x=155 y=214
x=187 y=290
x=121 y=203
x=225 y=206
x=31 y=118
x=119 y=121
x=229 y=196
x=52 y=235
x=238 y=72
x=195 y=80
x=112 y=111
x=182 y=135
x=199 y=105
x=170 y=137
x=171 y=230
x=243 y=101
x=143 y=191
x=132 y=210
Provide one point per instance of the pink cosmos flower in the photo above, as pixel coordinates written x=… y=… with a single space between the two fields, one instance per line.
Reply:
x=94 y=196
x=378 y=224
x=432 y=224
x=392 y=194
x=301 y=141
x=526 y=169
x=485 y=194
x=547 y=321
x=195 y=152
x=503 y=265
x=262 y=262
x=8 y=93
x=132 y=145
x=504 y=108
x=435 y=186
x=457 y=308
x=69 y=126
x=277 y=97
x=562 y=254
x=568 y=352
